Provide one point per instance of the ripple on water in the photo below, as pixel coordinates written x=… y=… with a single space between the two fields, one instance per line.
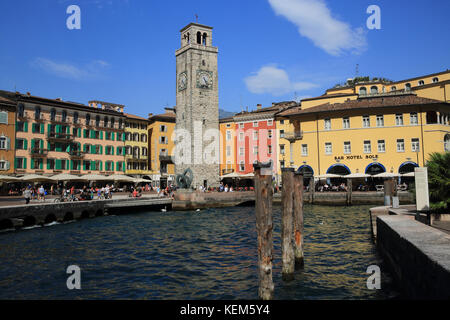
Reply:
x=209 y=254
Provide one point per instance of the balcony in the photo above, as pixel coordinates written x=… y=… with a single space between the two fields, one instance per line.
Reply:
x=38 y=153
x=165 y=158
x=292 y=136
x=227 y=171
x=76 y=154
x=58 y=119
x=55 y=136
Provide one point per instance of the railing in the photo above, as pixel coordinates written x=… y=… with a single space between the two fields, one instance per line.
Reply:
x=76 y=154
x=58 y=119
x=165 y=158
x=38 y=152
x=59 y=136
x=298 y=135
x=399 y=92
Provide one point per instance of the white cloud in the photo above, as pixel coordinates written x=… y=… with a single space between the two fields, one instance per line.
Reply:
x=273 y=80
x=70 y=71
x=314 y=21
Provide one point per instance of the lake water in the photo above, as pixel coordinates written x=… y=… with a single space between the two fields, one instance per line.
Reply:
x=209 y=254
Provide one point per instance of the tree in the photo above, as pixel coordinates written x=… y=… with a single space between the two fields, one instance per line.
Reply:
x=439 y=181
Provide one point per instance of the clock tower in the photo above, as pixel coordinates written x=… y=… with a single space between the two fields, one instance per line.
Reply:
x=197 y=110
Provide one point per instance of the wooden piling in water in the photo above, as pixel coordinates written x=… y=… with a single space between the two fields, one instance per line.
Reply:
x=287 y=224
x=388 y=191
x=298 y=220
x=349 y=191
x=312 y=189
x=264 y=228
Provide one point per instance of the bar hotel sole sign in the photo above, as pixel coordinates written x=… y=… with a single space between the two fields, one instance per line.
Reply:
x=356 y=157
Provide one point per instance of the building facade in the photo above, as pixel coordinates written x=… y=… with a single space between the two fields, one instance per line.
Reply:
x=7 y=135
x=227 y=146
x=161 y=147
x=136 y=146
x=197 y=116
x=53 y=136
x=371 y=134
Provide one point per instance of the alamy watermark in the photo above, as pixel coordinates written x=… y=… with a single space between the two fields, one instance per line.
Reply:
x=74 y=20
x=74 y=280
x=374 y=281
x=374 y=20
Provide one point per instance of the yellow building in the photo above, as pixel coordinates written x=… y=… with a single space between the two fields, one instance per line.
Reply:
x=370 y=134
x=227 y=146
x=161 y=147
x=136 y=146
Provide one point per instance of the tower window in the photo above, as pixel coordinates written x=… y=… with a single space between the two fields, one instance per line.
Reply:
x=204 y=39
x=199 y=37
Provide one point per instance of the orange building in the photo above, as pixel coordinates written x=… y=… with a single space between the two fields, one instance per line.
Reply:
x=7 y=135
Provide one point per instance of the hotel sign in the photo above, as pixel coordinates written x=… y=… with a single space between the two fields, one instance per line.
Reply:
x=356 y=157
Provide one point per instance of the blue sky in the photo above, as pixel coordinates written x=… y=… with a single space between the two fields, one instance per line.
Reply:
x=269 y=50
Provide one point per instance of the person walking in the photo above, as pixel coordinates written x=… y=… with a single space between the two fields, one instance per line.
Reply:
x=41 y=192
x=27 y=195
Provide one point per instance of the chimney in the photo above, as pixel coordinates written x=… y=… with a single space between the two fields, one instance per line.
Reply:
x=258 y=107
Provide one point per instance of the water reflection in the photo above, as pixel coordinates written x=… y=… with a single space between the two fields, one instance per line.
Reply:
x=188 y=255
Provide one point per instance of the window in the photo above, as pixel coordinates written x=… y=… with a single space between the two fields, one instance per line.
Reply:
x=281 y=133
x=255 y=135
x=282 y=164
x=163 y=140
x=228 y=125
x=408 y=87
x=269 y=134
x=64 y=116
x=328 y=148
x=109 y=166
x=228 y=151
x=88 y=119
x=399 y=119
x=380 y=121
x=393 y=88
x=269 y=150
x=413 y=118
x=347 y=147
x=281 y=121
x=241 y=136
x=421 y=82
x=228 y=135
x=304 y=150
x=367 y=147
x=362 y=91
x=241 y=166
x=381 y=146
x=37 y=113
x=373 y=90
x=143 y=137
x=241 y=151
x=4 y=165
x=346 y=123
x=270 y=123
x=241 y=125
x=21 y=163
x=400 y=145
x=162 y=128
x=435 y=79
x=366 y=122
x=105 y=122
x=97 y=121
x=3 y=143
x=255 y=123
x=415 y=146
x=21 y=111
x=21 y=144
x=255 y=150
x=4 y=117
x=20 y=127
x=282 y=150
x=327 y=124
x=75 y=117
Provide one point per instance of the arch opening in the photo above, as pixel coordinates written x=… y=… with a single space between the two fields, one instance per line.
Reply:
x=375 y=168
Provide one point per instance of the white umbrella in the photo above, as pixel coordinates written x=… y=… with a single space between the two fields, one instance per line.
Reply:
x=139 y=180
x=386 y=175
x=121 y=178
x=4 y=178
x=36 y=178
x=409 y=174
x=357 y=175
x=66 y=177
x=329 y=175
x=95 y=177
x=230 y=175
x=248 y=175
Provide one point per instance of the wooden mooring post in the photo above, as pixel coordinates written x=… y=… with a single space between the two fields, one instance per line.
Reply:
x=312 y=190
x=349 y=191
x=287 y=224
x=298 y=220
x=264 y=227
x=389 y=186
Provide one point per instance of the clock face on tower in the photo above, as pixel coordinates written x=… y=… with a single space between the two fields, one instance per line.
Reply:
x=204 y=79
x=182 y=81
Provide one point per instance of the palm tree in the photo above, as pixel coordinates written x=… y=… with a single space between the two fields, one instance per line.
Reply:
x=439 y=180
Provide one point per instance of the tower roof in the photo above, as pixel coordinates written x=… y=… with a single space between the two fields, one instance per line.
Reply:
x=196 y=24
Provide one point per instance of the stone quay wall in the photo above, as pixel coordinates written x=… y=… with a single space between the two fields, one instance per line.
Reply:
x=417 y=255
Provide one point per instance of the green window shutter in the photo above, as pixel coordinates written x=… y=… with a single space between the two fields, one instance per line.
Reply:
x=32 y=164
x=41 y=164
x=8 y=143
x=101 y=135
x=71 y=164
x=32 y=128
x=25 y=127
x=25 y=144
x=84 y=133
x=84 y=147
x=112 y=150
x=92 y=165
x=33 y=142
x=101 y=165
x=24 y=163
x=41 y=144
x=117 y=166
x=15 y=163
x=42 y=128
x=58 y=128
x=58 y=164
x=118 y=150
x=112 y=136
x=123 y=136
x=68 y=130
x=123 y=166
x=79 y=132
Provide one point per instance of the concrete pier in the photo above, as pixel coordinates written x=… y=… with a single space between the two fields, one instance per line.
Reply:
x=417 y=255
